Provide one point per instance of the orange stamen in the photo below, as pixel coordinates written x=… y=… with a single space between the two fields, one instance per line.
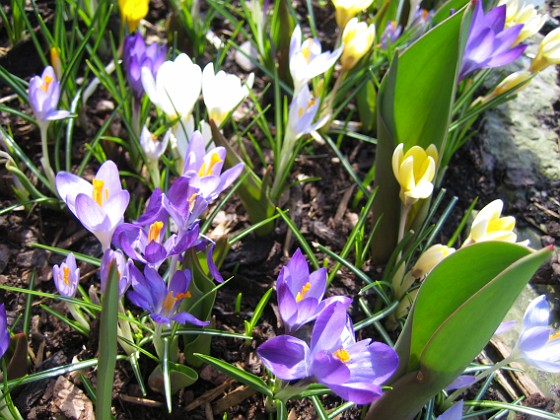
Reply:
x=97 y=193
x=301 y=294
x=342 y=355
x=154 y=232
x=205 y=171
x=66 y=272
x=46 y=83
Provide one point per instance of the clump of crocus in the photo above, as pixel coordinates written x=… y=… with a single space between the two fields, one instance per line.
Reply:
x=357 y=39
x=524 y=14
x=353 y=370
x=222 y=92
x=4 y=333
x=548 y=53
x=538 y=343
x=44 y=93
x=175 y=88
x=307 y=59
x=136 y=55
x=347 y=9
x=415 y=170
x=489 y=226
x=300 y=293
x=132 y=12
x=489 y=45
x=99 y=205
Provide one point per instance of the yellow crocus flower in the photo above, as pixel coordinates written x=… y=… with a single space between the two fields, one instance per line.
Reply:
x=489 y=226
x=347 y=9
x=549 y=52
x=415 y=171
x=133 y=11
x=524 y=14
x=357 y=39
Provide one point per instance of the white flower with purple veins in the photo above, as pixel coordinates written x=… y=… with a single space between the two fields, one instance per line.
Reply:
x=222 y=92
x=44 y=93
x=66 y=276
x=176 y=87
x=538 y=343
x=99 y=205
x=307 y=60
x=303 y=110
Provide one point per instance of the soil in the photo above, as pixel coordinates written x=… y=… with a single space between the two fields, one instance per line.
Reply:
x=319 y=208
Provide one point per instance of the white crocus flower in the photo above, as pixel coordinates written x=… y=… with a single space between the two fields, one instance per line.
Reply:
x=303 y=110
x=307 y=60
x=222 y=92
x=176 y=87
x=151 y=145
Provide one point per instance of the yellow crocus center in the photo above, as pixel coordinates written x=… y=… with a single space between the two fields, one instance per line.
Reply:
x=554 y=336
x=303 y=110
x=66 y=272
x=342 y=355
x=46 y=83
x=301 y=294
x=100 y=194
x=206 y=170
x=170 y=300
x=306 y=52
x=155 y=230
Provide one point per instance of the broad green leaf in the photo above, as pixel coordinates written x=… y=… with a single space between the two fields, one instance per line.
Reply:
x=445 y=10
x=181 y=376
x=452 y=283
x=413 y=107
x=448 y=351
x=107 y=345
x=239 y=374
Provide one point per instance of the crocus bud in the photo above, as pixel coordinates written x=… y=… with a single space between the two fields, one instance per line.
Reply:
x=55 y=62
x=429 y=259
x=132 y=12
x=549 y=52
x=347 y=9
x=489 y=226
x=511 y=84
x=152 y=146
x=357 y=39
x=415 y=171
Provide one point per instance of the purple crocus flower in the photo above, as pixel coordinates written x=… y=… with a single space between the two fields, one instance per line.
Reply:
x=99 y=206
x=352 y=370
x=66 y=276
x=4 y=333
x=137 y=55
x=184 y=203
x=161 y=300
x=44 y=93
x=390 y=35
x=144 y=242
x=538 y=344
x=489 y=45
x=300 y=293
x=114 y=257
x=204 y=170
x=453 y=413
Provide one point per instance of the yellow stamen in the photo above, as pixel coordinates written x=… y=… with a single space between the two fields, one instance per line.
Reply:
x=301 y=294
x=300 y=112
x=168 y=302
x=204 y=171
x=155 y=230
x=192 y=201
x=97 y=193
x=306 y=52
x=554 y=336
x=342 y=355
x=311 y=103
x=66 y=272
x=46 y=83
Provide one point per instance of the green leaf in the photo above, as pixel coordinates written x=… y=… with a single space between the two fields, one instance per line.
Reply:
x=414 y=107
x=481 y=314
x=107 y=345
x=240 y=375
x=181 y=376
